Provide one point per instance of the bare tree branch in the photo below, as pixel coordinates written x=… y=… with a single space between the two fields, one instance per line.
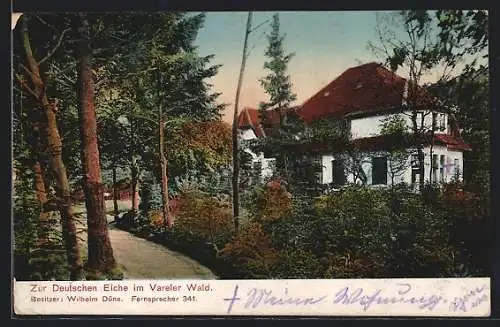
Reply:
x=44 y=22
x=54 y=49
x=60 y=73
x=26 y=69
x=259 y=25
x=26 y=87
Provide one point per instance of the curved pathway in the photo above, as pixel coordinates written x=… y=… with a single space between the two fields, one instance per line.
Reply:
x=142 y=259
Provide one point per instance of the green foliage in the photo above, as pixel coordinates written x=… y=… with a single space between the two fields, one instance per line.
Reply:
x=462 y=33
x=395 y=127
x=270 y=202
x=150 y=194
x=328 y=129
x=34 y=260
x=199 y=150
x=357 y=233
x=250 y=253
x=204 y=215
x=114 y=274
x=277 y=84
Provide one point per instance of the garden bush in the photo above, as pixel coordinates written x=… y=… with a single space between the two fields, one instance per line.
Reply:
x=207 y=216
x=250 y=253
x=270 y=202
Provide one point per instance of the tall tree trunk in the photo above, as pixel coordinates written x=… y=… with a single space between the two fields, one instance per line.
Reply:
x=167 y=219
x=115 y=193
x=420 y=153
x=236 y=161
x=431 y=172
x=41 y=195
x=133 y=186
x=100 y=252
x=56 y=164
x=133 y=172
x=431 y=152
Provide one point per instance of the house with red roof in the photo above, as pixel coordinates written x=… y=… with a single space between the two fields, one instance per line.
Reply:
x=364 y=97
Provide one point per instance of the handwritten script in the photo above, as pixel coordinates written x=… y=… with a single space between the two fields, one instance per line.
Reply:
x=399 y=294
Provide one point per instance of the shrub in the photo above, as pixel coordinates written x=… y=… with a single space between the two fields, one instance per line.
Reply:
x=297 y=263
x=155 y=218
x=204 y=215
x=472 y=225
x=270 y=202
x=364 y=232
x=461 y=204
x=250 y=253
x=354 y=232
x=151 y=198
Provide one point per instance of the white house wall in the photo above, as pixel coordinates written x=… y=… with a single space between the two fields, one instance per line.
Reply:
x=403 y=176
x=372 y=126
x=452 y=155
x=268 y=167
x=247 y=134
x=326 y=162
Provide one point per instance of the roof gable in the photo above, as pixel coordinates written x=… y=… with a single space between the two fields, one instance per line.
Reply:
x=362 y=89
x=251 y=118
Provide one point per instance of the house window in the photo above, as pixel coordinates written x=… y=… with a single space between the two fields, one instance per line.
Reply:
x=414 y=169
x=319 y=169
x=338 y=172
x=414 y=161
x=435 y=166
x=456 y=165
x=434 y=121
x=441 y=168
x=420 y=116
x=379 y=170
x=442 y=122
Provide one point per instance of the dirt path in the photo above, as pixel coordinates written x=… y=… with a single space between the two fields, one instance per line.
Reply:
x=142 y=259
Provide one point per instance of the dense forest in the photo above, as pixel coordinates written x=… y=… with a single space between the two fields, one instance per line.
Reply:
x=104 y=103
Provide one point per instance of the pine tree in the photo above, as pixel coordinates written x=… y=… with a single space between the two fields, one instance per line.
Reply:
x=277 y=84
x=101 y=259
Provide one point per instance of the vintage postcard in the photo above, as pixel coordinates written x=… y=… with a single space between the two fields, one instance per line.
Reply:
x=329 y=163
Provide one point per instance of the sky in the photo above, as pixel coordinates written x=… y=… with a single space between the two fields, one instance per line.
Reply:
x=325 y=44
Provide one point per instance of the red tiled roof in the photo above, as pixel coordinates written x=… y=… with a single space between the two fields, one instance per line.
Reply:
x=366 y=88
x=250 y=117
x=452 y=142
